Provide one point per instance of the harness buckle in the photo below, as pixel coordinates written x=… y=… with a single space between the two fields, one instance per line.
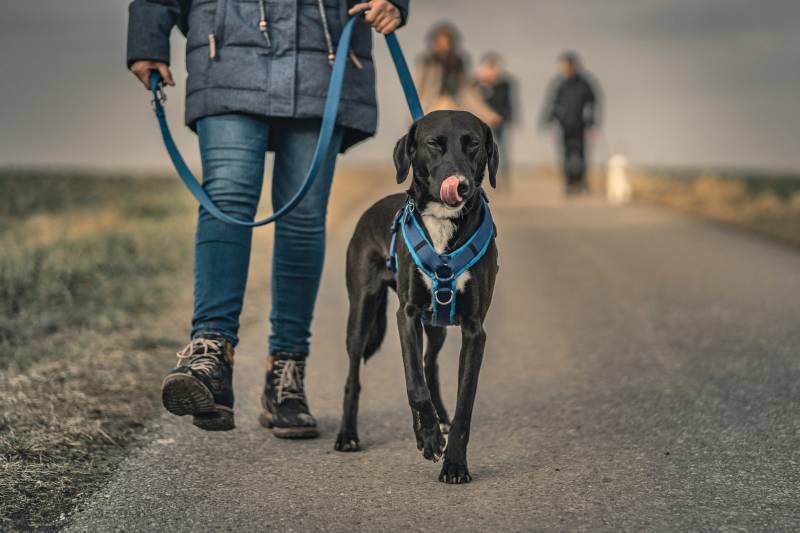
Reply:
x=439 y=300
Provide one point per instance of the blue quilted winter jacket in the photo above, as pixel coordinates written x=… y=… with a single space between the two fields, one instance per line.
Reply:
x=232 y=67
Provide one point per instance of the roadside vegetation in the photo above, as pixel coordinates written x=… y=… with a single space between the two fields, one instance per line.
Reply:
x=768 y=204
x=95 y=298
x=93 y=271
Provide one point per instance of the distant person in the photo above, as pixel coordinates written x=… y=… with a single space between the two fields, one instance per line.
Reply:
x=443 y=79
x=496 y=87
x=574 y=105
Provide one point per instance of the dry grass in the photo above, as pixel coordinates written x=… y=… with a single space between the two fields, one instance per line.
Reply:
x=95 y=298
x=89 y=316
x=67 y=422
x=769 y=205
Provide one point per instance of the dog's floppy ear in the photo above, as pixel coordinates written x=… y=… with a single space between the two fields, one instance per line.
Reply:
x=403 y=152
x=492 y=155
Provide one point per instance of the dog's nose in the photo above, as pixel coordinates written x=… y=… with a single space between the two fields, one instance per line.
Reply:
x=463 y=188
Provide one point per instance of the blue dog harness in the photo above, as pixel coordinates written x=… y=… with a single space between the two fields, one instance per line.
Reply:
x=325 y=131
x=442 y=269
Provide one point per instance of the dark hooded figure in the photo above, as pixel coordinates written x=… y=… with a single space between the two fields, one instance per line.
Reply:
x=573 y=104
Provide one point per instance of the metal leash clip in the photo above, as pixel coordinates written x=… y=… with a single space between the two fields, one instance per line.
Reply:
x=160 y=94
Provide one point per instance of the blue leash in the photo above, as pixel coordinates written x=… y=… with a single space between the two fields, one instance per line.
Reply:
x=325 y=131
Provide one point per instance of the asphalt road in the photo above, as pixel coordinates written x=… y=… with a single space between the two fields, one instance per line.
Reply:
x=642 y=373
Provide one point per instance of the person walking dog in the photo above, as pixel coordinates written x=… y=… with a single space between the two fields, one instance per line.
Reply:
x=257 y=79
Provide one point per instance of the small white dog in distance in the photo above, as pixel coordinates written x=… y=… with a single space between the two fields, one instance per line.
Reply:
x=618 y=186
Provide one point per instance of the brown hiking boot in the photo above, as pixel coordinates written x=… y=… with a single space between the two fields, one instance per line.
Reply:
x=201 y=384
x=284 y=400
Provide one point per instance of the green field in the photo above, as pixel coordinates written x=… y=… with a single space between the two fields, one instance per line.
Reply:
x=94 y=275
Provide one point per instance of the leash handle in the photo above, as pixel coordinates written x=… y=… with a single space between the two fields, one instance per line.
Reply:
x=325 y=132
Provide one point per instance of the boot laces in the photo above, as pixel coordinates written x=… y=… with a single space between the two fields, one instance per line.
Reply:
x=201 y=355
x=289 y=376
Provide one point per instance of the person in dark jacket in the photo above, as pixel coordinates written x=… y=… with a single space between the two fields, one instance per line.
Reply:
x=258 y=73
x=573 y=104
x=497 y=89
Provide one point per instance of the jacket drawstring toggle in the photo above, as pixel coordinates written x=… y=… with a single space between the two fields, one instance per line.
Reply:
x=212 y=46
x=262 y=23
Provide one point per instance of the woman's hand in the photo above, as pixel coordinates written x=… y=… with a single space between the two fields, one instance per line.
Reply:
x=141 y=69
x=383 y=15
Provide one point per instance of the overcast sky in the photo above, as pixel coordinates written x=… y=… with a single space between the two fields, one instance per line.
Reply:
x=686 y=82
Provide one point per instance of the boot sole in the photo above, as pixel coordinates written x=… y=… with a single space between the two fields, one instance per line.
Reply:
x=265 y=419
x=183 y=395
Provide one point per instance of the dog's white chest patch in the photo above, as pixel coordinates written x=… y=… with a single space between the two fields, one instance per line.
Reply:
x=438 y=221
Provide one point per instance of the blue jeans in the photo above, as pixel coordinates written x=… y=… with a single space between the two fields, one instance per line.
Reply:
x=233 y=148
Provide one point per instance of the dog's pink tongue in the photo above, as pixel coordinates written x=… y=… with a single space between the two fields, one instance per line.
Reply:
x=449 y=191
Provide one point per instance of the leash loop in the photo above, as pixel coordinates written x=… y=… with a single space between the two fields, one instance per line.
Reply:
x=325 y=133
x=444 y=273
x=449 y=296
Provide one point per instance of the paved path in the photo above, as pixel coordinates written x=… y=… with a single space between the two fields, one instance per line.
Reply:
x=642 y=373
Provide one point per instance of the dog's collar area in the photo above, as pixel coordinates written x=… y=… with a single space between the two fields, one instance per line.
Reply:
x=442 y=269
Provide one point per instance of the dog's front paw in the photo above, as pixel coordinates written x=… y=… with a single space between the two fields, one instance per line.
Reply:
x=346 y=443
x=455 y=473
x=431 y=442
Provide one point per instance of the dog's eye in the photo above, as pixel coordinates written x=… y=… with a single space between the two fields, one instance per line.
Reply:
x=433 y=143
x=471 y=143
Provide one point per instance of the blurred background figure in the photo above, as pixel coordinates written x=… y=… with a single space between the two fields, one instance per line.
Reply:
x=573 y=104
x=496 y=87
x=443 y=79
x=618 y=186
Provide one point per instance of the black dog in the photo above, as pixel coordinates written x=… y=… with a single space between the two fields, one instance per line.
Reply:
x=448 y=152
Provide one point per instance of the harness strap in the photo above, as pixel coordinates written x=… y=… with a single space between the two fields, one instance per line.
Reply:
x=325 y=132
x=442 y=269
x=391 y=259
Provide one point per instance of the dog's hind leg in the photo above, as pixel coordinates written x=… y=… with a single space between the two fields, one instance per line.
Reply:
x=473 y=341
x=436 y=336
x=362 y=341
